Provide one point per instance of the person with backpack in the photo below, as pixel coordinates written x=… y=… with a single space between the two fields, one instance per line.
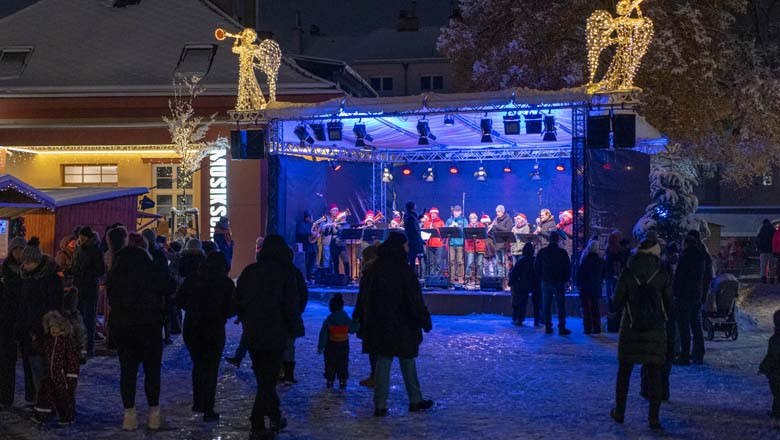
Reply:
x=644 y=297
x=688 y=283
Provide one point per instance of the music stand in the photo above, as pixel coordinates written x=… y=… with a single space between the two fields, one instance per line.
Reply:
x=450 y=232
x=351 y=234
x=475 y=233
x=433 y=231
x=504 y=237
x=372 y=235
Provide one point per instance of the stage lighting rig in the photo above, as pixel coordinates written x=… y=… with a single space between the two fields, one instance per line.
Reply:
x=535 y=175
x=533 y=123
x=507 y=167
x=480 y=174
x=359 y=129
x=425 y=132
x=319 y=131
x=334 y=130
x=303 y=134
x=486 y=124
x=560 y=166
x=512 y=124
x=549 y=129
x=336 y=165
x=454 y=168
x=449 y=120
x=406 y=170
x=428 y=175
x=387 y=177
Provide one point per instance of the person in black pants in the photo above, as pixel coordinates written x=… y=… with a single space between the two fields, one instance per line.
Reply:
x=688 y=283
x=334 y=342
x=302 y=236
x=522 y=280
x=206 y=296
x=553 y=269
x=135 y=291
x=412 y=229
x=9 y=308
x=88 y=267
x=269 y=309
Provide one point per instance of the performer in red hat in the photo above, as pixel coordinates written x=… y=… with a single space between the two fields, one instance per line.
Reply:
x=521 y=227
x=475 y=248
x=435 y=250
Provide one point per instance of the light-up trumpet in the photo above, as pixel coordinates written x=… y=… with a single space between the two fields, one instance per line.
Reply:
x=220 y=34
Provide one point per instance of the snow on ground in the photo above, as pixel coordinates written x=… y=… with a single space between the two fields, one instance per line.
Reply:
x=489 y=379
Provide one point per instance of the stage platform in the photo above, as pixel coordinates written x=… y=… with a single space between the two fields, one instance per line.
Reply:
x=450 y=301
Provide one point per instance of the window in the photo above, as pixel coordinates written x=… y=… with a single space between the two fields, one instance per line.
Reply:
x=431 y=82
x=196 y=59
x=13 y=60
x=382 y=84
x=168 y=188
x=90 y=175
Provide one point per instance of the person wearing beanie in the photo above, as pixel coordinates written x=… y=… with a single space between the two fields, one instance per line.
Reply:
x=10 y=296
x=334 y=342
x=456 y=258
x=88 y=267
x=411 y=226
x=135 y=291
x=223 y=237
x=435 y=247
x=192 y=256
x=161 y=265
x=41 y=292
x=688 y=294
x=519 y=229
x=475 y=249
x=64 y=257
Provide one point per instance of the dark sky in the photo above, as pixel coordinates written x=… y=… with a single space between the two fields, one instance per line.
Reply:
x=8 y=7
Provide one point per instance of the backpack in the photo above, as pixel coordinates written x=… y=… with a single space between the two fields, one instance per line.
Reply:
x=647 y=310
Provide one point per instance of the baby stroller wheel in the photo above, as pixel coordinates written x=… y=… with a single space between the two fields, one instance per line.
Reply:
x=734 y=334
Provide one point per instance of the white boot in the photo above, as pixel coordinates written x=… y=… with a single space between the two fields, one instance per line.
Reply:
x=155 y=419
x=131 y=420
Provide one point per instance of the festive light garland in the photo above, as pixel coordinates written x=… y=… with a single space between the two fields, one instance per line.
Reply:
x=266 y=56
x=632 y=37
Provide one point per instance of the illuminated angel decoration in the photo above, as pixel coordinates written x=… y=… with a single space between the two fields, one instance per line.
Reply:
x=631 y=35
x=266 y=56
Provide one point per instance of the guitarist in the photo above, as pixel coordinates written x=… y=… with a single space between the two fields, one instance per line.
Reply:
x=302 y=234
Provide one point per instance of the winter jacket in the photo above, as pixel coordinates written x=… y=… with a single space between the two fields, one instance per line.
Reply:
x=62 y=358
x=303 y=300
x=208 y=300
x=502 y=224
x=336 y=328
x=478 y=246
x=78 y=336
x=224 y=240
x=394 y=312
x=434 y=242
x=615 y=263
x=764 y=239
x=41 y=292
x=689 y=276
x=547 y=228
x=590 y=275
x=189 y=261
x=162 y=266
x=10 y=298
x=522 y=279
x=267 y=304
x=552 y=265
x=413 y=236
x=776 y=242
x=135 y=290
x=64 y=257
x=770 y=366
x=459 y=222
x=88 y=264
x=642 y=347
x=517 y=247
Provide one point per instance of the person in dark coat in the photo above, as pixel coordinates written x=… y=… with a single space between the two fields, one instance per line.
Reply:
x=269 y=309
x=708 y=270
x=10 y=297
x=88 y=267
x=223 y=238
x=162 y=265
x=192 y=256
x=287 y=375
x=688 y=282
x=334 y=342
x=553 y=269
x=770 y=366
x=302 y=235
x=590 y=276
x=645 y=346
x=207 y=297
x=764 y=246
x=41 y=292
x=413 y=234
x=395 y=317
x=370 y=255
x=135 y=290
x=616 y=259
x=522 y=281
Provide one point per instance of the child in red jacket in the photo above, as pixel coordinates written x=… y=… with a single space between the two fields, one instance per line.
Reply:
x=58 y=387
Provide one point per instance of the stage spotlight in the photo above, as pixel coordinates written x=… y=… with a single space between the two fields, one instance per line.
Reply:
x=486 y=124
x=507 y=167
x=560 y=166
x=425 y=132
x=335 y=165
x=607 y=166
x=428 y=175
x=512 y=124
x=533 y=123
x=629 y=167
x=406 y=170
x=387 y=177
x=535 y=174
x=449 y=120
x=549 y=129
x=454 y=168
x=359 y=129
x=334 y=130
x=303 y=134
x=319 y=131
x=481 y=174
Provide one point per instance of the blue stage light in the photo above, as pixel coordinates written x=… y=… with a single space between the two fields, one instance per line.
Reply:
x=359 y=129
x=319 y=131
x=486 y=124
x=511 y=124
x=549 y=129
x=425 y=132
x=449 y=120
x=303 y=134
x=334 y=130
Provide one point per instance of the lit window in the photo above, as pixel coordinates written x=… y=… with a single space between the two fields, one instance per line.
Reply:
x=382 y=84
x=196 y=59
x=431 y=82
x=13 y=60
x=168 y=188
x=90 y=175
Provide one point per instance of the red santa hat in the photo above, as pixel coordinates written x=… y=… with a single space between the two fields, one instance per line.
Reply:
x=522 y=216
x=369 y=216
x=434 y=210
x=333 y=206
x=484 y=219
x=396 y=215
x=568 y=214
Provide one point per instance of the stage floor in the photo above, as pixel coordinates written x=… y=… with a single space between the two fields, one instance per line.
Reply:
x=449 y=301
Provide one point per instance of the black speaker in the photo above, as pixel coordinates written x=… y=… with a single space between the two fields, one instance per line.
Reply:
x=598 y=131
x=491 y=283
x=334 y=279
x=247 y=144
x=437 y=281
x=533 y=123
x=624 y=129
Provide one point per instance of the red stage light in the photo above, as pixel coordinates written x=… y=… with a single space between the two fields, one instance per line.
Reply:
x=507 y=169
x=406 y=171
x=454 y=169
x=337 y=167
x=607 y=166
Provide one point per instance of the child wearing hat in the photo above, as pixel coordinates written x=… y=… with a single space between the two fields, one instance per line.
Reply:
x=334 y=342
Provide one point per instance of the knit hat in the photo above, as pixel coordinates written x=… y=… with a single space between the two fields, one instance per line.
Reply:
x=193 y=243
x=86 y=231
x=150 y=236
x=521 y=215
x=336 y=303
x=485 y=219
x=457 y=208
x=16 y=242
x=434 y=210
x=32 y=252
x=137 y=240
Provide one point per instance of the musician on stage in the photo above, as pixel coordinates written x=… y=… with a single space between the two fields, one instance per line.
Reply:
x=413 y=235
x=545 y=225
x=335 y=249
x=520 y=227
x=475 y=249
x=303 y=230
x=435 y=249
x=396 y=222
x=456 y=263
x=368 y=222
x=566 y=226
x=502 y=223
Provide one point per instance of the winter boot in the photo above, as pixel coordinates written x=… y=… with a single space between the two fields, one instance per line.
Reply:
x=155 y=419
x=289 y=373
x=563 y=331
x=617 y=417
x=654 y=416
x=368 y=382
x=548 y=329
x=130 y=422
x=278 y=425
x=421 y=405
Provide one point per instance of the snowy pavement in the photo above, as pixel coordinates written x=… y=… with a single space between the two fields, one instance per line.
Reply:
x=490 y=380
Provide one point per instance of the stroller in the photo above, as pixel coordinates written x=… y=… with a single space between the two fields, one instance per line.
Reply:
x=719 y=311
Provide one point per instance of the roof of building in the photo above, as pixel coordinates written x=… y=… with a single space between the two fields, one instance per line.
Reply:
x=14 y=193
x=90 y=47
